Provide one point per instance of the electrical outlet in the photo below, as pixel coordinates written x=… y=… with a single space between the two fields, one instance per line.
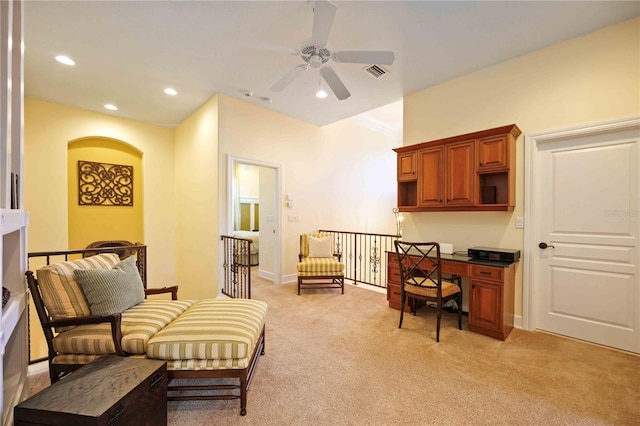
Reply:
x=519 y=222
x=293 y=218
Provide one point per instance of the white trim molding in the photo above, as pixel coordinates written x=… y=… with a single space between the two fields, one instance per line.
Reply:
x=277 y=255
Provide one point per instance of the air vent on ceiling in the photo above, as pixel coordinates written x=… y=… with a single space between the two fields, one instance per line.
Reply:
x=376 y=71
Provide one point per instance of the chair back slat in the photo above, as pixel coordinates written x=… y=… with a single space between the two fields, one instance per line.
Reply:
x=419 y=260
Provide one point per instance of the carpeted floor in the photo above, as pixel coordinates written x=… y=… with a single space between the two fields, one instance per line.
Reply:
x=335 y=359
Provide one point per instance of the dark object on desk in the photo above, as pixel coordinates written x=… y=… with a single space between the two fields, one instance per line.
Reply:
x=111 y=390
x=421 y=279
x=500 y=255
x=6 y=294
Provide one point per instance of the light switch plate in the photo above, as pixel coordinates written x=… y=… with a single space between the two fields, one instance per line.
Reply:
x=519 y=222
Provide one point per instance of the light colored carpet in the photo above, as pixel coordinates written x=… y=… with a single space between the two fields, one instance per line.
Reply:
x=335 y=359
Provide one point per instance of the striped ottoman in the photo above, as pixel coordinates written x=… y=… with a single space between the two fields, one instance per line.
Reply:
x=217 y=338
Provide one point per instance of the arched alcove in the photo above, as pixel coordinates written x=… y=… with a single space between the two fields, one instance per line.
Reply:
x=106 y=216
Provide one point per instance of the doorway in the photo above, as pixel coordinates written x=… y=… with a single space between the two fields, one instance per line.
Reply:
x=583 y=196
x=257 y=209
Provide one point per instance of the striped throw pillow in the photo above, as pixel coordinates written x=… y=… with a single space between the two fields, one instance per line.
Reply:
x=109 y=291
x=61 y=293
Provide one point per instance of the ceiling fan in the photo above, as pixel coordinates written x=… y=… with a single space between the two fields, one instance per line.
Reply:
x=316 y=54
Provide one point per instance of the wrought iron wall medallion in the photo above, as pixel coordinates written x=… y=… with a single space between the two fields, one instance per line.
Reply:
x=103 y=184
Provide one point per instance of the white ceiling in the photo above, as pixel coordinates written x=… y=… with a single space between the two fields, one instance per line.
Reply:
x=126 y=53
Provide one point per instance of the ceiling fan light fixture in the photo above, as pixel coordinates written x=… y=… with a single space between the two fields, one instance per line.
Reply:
x=321 y=94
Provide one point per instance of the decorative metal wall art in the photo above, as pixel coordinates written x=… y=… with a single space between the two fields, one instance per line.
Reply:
x=103 y=184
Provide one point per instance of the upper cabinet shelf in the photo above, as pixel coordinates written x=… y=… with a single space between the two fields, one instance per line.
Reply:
x=470 y=172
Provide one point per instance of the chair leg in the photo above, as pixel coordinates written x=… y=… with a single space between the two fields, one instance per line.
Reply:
x=438 y=324
x=459 y=302
x=299 y=282
x=402 y=299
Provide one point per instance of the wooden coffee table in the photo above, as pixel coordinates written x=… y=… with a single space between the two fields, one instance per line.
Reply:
x=109 y=391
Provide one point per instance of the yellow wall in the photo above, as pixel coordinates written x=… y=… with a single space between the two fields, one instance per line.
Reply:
x=196 y=183
x=48 y=130
x=105 y=222
x=584 y=80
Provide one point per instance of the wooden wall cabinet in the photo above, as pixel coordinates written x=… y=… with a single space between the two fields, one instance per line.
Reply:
x=431 y=183
x=460 y=174
x=474 y=171
x=407 y=166
x=493 y=154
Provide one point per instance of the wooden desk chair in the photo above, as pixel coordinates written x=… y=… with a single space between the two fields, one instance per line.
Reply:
x=421 y=279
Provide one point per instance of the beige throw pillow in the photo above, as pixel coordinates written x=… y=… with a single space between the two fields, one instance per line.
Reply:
x=320 y=247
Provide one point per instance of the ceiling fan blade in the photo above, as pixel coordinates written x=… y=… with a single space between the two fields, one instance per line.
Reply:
x=365 y=57
x=334 y=82
x=288 y=78
x=323 y=14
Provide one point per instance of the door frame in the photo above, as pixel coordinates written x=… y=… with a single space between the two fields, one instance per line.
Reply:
x=277 y=255
x=530 y=258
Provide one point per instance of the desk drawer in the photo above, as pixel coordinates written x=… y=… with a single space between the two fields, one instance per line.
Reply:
x=457 y=268
x=394 y=274
x=393 y=292
x=487 y=272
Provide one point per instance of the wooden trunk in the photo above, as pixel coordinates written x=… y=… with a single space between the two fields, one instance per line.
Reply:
x=109 y=391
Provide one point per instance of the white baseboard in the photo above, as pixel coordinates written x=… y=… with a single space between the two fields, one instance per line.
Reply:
x=265 y=274
x=517 y=321
x=40 y=367
x=291 y=278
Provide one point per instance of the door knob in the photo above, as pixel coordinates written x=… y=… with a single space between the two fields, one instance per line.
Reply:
x=544 y=245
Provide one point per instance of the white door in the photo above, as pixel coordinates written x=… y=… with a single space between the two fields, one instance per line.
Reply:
x=587 y=212
x=270 y=243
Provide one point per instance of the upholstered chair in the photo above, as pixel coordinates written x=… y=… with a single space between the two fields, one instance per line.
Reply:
x=319 y=266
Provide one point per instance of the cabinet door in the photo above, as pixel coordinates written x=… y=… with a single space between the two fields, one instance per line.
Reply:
x=493 y=154
x=485 y=305
x=431 y=171
x=407 y=169
x=461 y=174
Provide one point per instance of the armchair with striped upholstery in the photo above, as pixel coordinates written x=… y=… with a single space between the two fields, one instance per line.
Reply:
x=319 y=266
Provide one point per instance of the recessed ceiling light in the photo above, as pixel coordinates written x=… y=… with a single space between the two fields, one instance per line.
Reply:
x=170 y=91
x=65 y=60
x=111 y=107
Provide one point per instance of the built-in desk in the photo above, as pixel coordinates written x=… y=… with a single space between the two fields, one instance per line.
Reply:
x=491 y=291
